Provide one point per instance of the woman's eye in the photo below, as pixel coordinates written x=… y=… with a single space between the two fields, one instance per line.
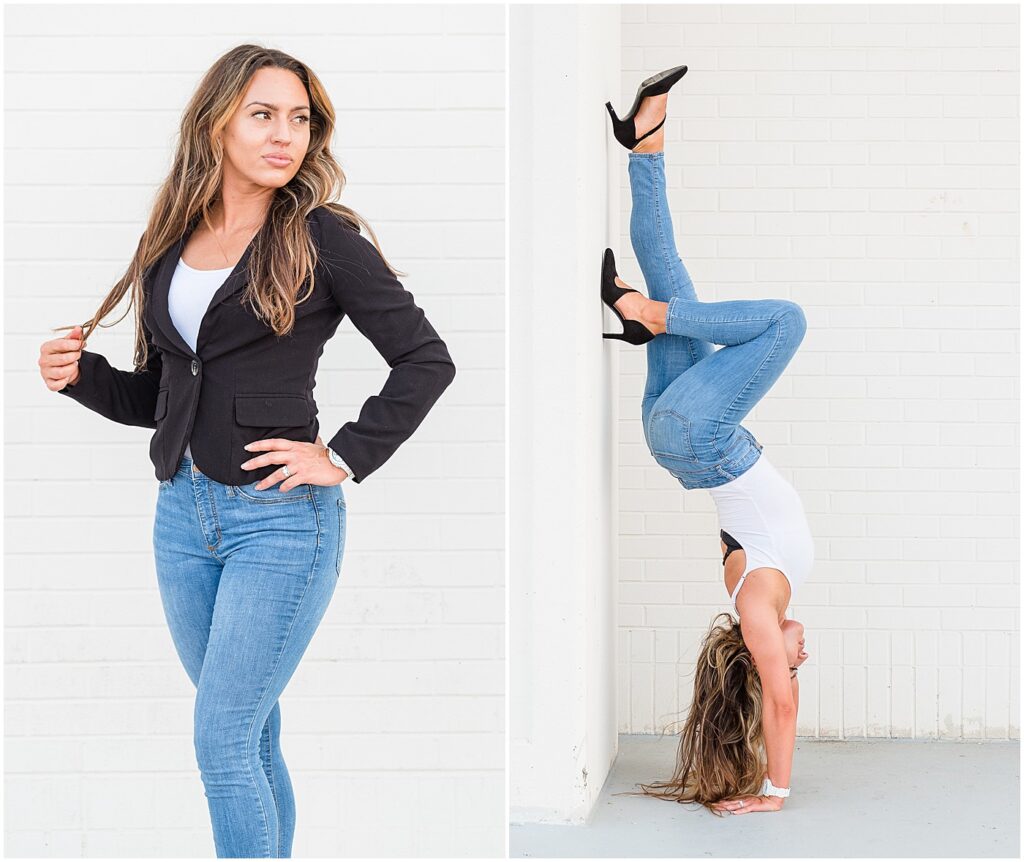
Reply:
x=267 y=113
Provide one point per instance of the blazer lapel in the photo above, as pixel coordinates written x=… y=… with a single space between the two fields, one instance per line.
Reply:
x=160 y=297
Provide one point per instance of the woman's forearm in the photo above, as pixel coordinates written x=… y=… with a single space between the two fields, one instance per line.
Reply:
x=779 y=741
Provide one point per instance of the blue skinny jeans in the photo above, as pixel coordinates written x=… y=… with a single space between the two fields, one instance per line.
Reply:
x=245 y=577
x=695 y=396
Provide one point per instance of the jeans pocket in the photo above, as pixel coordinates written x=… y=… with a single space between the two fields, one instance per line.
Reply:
x=668 y=435
x=164 y=483
x=273 y=493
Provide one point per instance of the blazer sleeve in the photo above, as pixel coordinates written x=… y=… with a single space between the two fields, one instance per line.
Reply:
x=385 y=312
x=127 y=397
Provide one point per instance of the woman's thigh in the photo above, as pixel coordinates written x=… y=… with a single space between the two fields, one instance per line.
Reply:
x=760 y=338
x=694 y=424
x=188 y=572
x=233 y=562
x=281 y=562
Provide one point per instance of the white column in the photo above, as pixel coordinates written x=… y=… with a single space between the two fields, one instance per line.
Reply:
x=564 y=63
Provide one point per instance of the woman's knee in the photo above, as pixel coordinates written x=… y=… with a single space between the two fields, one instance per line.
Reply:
x=793 y=317
x=219 y=740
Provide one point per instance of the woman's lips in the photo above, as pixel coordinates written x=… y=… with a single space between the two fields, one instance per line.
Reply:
x=278 y=161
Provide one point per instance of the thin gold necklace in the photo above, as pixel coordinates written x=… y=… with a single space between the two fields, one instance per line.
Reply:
x=223 y=254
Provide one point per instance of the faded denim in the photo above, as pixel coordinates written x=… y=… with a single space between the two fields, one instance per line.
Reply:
x=695 y=396
x=245 y=577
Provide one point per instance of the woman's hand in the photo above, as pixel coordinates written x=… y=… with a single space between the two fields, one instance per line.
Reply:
x=749 y=804
x=307 y=463
x=58 y=360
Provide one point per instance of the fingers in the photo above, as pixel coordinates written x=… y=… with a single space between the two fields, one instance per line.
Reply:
x=59 y=360
x=55 y=384
x=269 y=443
x=741 y=805
x=270 y=481
x=275 y=456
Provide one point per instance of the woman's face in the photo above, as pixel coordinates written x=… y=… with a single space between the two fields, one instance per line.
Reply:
x=793 y=635
x=273 y=119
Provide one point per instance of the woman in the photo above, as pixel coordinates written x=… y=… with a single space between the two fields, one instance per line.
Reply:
x=244 y=271
x=745 y=693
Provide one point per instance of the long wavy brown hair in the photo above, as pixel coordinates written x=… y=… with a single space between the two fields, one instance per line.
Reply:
x=283 y=253
x=721 y=746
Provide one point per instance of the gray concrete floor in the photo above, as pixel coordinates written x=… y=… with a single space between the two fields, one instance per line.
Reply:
x=865 y=798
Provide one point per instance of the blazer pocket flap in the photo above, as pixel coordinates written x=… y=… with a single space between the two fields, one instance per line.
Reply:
x=271 y=411
x=161 y=405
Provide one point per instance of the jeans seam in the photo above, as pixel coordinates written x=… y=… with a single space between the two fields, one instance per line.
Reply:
x=285 y=498
x=770 y=319
x=672 y=271
x=202 y=521
x=270 y=775
x=277 y=662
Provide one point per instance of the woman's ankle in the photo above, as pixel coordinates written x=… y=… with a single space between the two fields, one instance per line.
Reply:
x=654 y=315
x=652 y=145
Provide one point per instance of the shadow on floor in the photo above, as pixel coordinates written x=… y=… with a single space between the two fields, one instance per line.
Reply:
x=864 y=798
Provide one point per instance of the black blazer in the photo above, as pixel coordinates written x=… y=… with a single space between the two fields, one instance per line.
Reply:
x=243 y=383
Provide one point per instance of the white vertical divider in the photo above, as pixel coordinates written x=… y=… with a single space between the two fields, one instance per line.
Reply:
x=565 y=63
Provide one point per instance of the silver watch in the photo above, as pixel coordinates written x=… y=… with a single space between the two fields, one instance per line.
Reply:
x=338 y=461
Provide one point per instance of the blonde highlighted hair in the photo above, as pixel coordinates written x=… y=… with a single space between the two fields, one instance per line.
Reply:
x=721 y=750
x=283 y=254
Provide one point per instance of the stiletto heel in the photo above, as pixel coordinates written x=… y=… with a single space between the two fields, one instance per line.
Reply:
x=656 y=85
x=633 y=331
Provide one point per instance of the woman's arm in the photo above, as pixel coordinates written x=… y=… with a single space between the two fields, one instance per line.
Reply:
x=765 y=641
x=126 y=397
x=780 y=740
x=385 y=312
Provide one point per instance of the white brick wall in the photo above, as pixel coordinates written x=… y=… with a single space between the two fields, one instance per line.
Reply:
x=862 y=161
x=393 y=723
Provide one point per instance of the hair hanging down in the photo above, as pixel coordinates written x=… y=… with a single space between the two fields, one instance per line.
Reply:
x=283 y=253
x=721 y=746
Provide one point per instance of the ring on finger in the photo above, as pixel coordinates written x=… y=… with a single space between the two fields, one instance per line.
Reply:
x=287 y=472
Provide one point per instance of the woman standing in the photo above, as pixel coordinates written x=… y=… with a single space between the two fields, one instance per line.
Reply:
x=245 y=270
x=745 y=693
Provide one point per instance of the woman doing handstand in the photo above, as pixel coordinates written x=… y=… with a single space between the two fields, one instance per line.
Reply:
x=745 y=692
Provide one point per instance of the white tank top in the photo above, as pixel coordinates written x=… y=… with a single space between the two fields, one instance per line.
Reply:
x=763 y=512
x=190 y=294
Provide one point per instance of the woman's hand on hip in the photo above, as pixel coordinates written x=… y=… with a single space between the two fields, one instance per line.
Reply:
x=749 y=804
x=307 y=463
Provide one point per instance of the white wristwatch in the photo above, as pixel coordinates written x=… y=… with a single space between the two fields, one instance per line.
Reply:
x=769 y=789
x=338 y=461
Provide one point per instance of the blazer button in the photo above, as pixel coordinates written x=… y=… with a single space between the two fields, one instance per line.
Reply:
x=195 y=368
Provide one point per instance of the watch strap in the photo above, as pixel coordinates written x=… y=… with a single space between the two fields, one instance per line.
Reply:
x=338 y=461
x=769 y=789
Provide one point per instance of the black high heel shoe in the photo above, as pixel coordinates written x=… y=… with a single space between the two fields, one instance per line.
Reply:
x=625 y=129
x=633 y=331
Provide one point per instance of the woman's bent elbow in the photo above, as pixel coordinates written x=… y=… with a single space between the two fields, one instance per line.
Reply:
x=446 y=373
